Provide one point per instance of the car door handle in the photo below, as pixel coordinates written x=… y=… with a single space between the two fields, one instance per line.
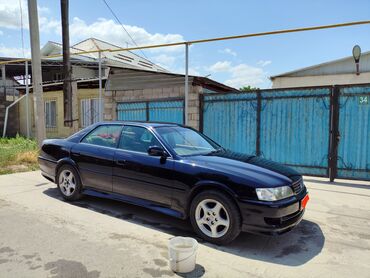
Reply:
x=121 y=162
x=77 y=154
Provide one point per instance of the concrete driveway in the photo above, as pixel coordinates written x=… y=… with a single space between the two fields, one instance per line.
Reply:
x=43 y=236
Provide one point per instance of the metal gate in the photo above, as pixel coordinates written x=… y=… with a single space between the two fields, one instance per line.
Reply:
x=295 y=128
x=169 y=110
x=281 y=125
x=354 y=132
x=230 y=120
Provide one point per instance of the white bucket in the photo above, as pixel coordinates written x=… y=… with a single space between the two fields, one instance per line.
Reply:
x=182 y=252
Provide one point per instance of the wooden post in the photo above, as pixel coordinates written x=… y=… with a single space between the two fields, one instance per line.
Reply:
x=67 y=70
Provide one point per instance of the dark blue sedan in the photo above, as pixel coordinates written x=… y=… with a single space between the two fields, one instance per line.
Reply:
x=180 y=172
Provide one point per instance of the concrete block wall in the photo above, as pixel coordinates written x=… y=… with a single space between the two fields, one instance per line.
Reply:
x=111 y=98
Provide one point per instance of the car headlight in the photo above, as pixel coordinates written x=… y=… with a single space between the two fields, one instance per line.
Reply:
x=274 y=194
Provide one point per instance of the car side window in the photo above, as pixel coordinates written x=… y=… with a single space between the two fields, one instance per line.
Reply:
x=138 y=139
x=104 y=135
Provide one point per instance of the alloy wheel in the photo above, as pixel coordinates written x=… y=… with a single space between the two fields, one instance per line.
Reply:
x=67 y=182
x=212 y=218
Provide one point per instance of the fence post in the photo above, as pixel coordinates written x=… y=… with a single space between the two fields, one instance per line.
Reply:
x=201 y=103
x=147 y=111
x=258 y=123
x=334 y=133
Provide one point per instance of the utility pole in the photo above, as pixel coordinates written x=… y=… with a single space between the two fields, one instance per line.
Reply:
x=27 y=100
x=186 y=83
x=67 y=85
x=36 y=71
x=100 y=91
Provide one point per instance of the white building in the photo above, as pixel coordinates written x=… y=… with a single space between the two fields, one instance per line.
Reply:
x=120 y=59
x=337 y=72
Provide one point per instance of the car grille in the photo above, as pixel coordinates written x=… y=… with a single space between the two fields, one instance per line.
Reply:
x=297 y=186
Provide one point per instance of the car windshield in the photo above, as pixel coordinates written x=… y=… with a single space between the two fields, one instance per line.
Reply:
x=186 y=142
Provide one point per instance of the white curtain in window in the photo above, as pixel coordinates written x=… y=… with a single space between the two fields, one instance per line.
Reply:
x=89 y=111
x=50 y=114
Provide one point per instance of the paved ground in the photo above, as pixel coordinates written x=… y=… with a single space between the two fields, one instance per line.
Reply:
x=42 y=236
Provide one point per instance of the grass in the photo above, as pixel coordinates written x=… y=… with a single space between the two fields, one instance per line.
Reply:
x=18 y=154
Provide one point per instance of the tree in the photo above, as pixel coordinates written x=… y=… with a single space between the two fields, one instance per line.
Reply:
x=248 y=88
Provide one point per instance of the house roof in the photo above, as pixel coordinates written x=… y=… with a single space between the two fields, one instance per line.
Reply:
x=338 y=66
x=18 y=69
x=120 y=79
x=121 y=59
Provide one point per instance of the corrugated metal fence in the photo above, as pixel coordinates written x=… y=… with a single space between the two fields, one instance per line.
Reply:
x=322 y=131
x=169 y=110
x=354 y=132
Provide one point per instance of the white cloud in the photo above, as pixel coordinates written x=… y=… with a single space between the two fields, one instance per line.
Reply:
x=164 y=60
x=10 y=16
x=263 y=63
x=48 y=25
x=244 y=75
x=108 y=30
x=1 y=33
x=240 y=75
x=220 y=66
x=228 y=51
x=10 y=13
x=13 y=51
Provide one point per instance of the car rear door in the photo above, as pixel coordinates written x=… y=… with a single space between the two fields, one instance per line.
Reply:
x=136 y=173
x=94 y=156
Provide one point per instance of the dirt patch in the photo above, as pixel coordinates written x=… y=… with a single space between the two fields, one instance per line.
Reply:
x=160 y=262
x=65 y=268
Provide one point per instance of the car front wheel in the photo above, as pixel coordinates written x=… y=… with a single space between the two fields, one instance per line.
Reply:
x=215 y=217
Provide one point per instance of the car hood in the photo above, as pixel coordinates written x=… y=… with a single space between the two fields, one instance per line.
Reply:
x=257 y=170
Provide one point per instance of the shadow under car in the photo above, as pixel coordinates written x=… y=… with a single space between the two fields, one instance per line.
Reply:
x=293 y=248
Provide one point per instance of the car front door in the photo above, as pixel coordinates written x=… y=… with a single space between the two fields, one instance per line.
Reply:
x=94 y=156
x=136 y=173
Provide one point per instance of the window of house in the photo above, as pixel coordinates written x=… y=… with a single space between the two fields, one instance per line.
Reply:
x=50 y=113
x=138 y=139
x=104 y=135
x=58 y=76
x=89 y=111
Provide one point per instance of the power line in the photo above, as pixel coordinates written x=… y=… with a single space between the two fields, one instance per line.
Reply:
x=124 y=28
x=304 y=29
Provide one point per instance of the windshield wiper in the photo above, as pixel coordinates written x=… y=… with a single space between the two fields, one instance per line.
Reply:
x=216 y=151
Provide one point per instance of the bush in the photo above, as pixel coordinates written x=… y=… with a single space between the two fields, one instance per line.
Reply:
x=18 y=154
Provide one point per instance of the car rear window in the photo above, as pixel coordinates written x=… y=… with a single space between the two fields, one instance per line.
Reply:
x=105 y=135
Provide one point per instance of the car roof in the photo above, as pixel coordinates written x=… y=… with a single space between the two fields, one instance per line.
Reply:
x=140 y=123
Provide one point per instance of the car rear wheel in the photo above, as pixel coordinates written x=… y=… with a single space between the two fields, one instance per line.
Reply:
x=69 y=183
x=215 y=217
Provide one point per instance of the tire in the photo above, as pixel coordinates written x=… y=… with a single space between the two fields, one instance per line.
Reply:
x=215 y=217
x=69 y=183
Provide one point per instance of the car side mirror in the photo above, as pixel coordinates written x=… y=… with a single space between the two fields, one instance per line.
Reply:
x=157 y=151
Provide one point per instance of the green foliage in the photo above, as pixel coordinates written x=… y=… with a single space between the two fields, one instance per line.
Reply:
x=248 y=88
x=17 y=154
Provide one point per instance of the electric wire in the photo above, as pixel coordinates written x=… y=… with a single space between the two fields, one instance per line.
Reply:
x=304 y=29
x=124 y=28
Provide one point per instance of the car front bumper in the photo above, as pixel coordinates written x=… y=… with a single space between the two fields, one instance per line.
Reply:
x=272 y=218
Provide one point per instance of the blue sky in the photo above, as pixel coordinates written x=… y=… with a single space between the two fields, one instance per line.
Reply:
x=236 y=63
